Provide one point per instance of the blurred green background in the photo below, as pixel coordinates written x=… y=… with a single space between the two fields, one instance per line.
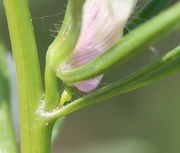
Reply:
x=143 y=121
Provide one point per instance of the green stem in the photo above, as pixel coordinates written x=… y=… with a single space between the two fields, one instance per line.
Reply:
x=35 y=132
x=7 y=138
x=65 y=41
x=162 y=68
x=127 y=48
x=52 y=90
x=60 y=49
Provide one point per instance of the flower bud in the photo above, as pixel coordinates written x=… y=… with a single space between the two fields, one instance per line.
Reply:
x=103 y=23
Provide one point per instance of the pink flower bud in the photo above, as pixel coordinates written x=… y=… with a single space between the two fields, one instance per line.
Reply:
x=103 y=22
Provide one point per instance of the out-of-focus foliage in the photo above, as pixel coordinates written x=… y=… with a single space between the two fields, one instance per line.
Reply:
x=7 y=141
x=4 y=86
x=151 y=113
x=116 y=146
x=146 y=10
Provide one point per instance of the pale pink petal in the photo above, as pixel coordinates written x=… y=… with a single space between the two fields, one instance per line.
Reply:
x=103 y=22
x=89 y=85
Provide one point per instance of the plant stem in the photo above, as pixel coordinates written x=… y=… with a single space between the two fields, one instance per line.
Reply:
x=35 y=132
x=52 y=90
x=60 y=49
x=7 y=138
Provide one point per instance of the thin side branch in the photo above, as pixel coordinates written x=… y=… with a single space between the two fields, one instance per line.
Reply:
x=168 y=64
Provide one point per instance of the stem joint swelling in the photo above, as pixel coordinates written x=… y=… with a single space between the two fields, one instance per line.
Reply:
x=48 y=116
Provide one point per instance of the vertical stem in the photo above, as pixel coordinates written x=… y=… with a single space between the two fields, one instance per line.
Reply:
x=35 y=132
